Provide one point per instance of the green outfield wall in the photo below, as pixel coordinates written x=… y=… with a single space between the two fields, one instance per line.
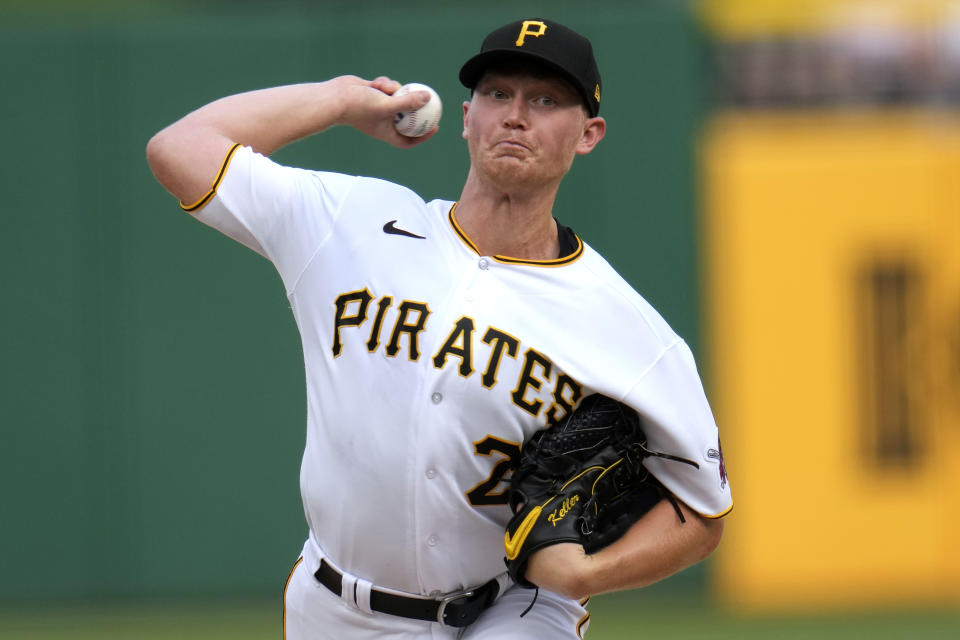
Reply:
x=152 y=406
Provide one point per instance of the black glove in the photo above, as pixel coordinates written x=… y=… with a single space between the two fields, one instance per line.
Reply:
x=581 y=480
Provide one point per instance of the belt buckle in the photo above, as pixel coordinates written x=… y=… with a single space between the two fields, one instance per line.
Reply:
x=441 y=610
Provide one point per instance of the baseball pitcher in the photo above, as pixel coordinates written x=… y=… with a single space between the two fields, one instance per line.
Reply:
x=498 y=425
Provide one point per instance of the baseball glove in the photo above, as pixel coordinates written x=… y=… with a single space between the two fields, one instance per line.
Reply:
x=581 y=480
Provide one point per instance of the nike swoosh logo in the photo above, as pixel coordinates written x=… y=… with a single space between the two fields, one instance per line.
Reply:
x=391 y=228
x=513 y=544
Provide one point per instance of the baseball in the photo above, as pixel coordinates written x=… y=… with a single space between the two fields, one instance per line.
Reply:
x=414 y=124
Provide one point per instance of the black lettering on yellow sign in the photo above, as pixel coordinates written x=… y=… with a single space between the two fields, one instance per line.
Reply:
x=892 y=366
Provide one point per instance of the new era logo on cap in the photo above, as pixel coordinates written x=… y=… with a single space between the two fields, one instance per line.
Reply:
x=551 y=43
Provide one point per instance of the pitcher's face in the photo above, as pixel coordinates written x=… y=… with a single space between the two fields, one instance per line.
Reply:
x=524 y=130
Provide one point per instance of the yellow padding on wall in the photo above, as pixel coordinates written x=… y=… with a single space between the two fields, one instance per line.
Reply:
x=832 y=271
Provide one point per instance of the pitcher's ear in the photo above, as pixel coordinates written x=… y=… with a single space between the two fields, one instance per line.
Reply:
x=593 y=131
x=466 y=118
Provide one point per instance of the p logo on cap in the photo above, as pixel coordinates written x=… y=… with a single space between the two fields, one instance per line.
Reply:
x=525 y=30
x=566 y=52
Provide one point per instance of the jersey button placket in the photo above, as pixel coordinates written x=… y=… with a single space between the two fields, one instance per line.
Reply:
x=470 y=294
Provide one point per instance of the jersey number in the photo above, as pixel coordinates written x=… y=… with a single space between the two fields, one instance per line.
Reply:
x=493 y=490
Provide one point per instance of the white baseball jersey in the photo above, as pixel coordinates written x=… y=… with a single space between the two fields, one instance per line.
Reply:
x=428 y=365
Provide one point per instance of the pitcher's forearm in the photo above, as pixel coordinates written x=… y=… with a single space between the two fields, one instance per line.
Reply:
x=657 y=546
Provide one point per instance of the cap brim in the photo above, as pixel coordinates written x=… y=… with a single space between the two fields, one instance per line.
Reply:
x=474 y=68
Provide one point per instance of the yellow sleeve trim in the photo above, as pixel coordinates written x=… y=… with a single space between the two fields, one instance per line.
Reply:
x=216 y=183
x=719 y=515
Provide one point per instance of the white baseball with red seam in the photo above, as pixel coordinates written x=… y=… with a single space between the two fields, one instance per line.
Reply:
x=414 y=124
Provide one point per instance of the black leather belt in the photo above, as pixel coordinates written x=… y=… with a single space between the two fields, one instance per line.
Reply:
x=454 y=610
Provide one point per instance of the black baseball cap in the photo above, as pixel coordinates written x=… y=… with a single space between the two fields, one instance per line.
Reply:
x=559 y=47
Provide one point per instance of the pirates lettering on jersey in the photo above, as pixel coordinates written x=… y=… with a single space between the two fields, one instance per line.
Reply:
x=382 y=306
x=566 y=395
x=345 y=318
x=536 y=371
x=460 y=344
x=407 y=310
x=531 y=360
x=499 y=341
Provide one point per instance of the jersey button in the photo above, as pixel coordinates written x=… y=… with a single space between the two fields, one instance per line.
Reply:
x=432 y=541
x=484 y=264
x=431 y=473
x=437 y=397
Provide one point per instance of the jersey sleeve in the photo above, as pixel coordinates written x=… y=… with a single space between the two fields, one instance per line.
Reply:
x=283 y=213
x=678 y=421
